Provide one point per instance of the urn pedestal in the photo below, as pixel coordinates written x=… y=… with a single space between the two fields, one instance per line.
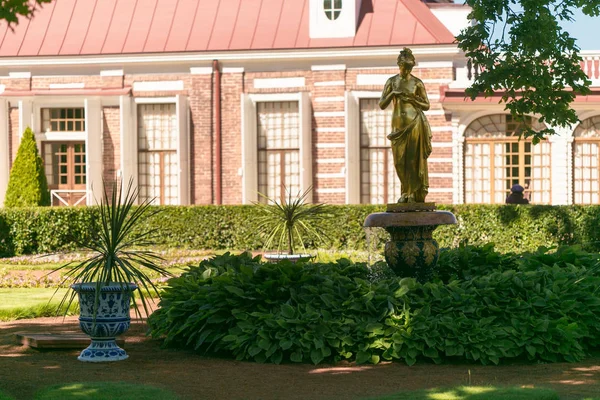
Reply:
x=112 y=318
x=411 y=250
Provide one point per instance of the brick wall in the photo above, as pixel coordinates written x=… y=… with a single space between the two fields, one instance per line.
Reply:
x=232 y=86
x=201 y=151
x=327 y=91
x=111 y=144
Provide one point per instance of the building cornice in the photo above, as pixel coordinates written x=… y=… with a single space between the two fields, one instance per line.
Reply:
x=447 y=50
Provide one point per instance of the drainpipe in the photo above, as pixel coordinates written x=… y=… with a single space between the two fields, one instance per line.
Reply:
x=217 y=110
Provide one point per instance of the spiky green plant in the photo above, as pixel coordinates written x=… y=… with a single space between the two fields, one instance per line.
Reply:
x=290 y=221
x=113 y=257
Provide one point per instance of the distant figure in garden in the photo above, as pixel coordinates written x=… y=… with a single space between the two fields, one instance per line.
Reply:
x=516 y=195
x=411 y=134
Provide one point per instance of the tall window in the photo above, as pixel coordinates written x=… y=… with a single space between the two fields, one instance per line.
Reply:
x=333 y=8
x=495 y=159
x=278 y=149
x=157 y=153
x=378 y=181
x=585 y=162
x=63 y=119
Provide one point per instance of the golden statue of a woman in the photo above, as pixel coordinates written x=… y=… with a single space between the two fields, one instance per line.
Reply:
x=411 y=134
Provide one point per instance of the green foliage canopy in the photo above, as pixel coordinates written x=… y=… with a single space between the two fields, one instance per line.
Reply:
x=482 y=307
x=10 y=10
x=524 y=54
x=27 y=186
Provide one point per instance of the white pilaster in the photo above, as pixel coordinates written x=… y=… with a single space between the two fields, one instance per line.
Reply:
x=352 y=150
x=249 y=151
x=93 y=148
x=458 y=145
x=560 y=154
x=183 y=149
x=305 y=144
x=128 y=141
x=25 y=116
x=4 y=154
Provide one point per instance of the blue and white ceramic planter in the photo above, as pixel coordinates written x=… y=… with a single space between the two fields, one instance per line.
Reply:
x=112 y=319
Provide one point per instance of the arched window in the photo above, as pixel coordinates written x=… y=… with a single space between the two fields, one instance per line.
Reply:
x=495 y=160
x=585 y=162
x=333 y=8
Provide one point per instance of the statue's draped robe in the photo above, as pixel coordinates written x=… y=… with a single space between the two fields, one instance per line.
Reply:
x=411 y=146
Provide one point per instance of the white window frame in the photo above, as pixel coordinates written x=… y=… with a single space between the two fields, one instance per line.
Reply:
x=353 y=142
x=249 y=138
x=129 y=161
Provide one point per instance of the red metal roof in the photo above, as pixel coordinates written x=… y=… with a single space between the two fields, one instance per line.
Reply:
x=86 y=27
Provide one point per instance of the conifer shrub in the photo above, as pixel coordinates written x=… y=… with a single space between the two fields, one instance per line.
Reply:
x=27 y=186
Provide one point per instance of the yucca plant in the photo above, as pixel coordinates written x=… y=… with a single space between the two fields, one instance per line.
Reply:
x=290 y=221
x=115 y=254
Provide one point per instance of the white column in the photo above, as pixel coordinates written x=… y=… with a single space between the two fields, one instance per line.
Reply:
x=183 y=149
x=249 y=151
x=562 y=182
x=93 y=148
x=306 y=178
x=25 y=116
x=4 y=154
x=128 y=138
x=458 y=143
x=352 y=149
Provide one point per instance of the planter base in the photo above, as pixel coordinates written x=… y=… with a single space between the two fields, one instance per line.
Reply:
x=103 y=350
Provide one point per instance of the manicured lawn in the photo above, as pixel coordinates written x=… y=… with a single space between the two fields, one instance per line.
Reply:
x=475 y=393
x=21 y=303
x=29 y=266
x=104 y=390
x=5 y=396
x=25 y=298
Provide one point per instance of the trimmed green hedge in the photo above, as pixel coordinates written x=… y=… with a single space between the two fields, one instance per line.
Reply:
x=523 y=228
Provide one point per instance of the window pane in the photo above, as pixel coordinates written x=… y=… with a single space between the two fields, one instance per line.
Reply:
x=379 y=182
x=278 y=128
x=495 y=137
x=157 y=153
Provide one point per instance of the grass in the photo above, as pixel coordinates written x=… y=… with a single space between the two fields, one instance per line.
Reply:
x=476 y=393
x=103 y=391
x=21 y=303
x=4 y=396
x=29 y=266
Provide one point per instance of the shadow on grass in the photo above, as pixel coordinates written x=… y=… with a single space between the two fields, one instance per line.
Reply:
x=475 y=393
x=103 y=391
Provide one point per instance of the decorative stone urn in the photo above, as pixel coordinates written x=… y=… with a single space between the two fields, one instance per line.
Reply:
x=112 y=319
x=411 y=251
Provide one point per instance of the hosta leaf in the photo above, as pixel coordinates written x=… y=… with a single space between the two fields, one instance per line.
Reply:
x=296 y=356
x=287 y=311
x=254 y=350
x=362 y=357
x=286 y=344
x=235 y=290
x=316 y=356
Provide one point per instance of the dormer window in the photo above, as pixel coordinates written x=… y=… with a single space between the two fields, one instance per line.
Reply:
x=333 y=8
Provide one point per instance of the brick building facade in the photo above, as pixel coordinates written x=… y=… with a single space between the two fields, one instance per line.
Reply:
x=248 y=98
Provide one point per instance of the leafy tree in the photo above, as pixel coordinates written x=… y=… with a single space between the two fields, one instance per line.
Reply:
x=27 y=186
x=524 y=53
x=11 y=9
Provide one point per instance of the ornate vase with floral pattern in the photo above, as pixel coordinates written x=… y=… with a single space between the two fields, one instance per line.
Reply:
x=111 y=320
x=411 y=250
